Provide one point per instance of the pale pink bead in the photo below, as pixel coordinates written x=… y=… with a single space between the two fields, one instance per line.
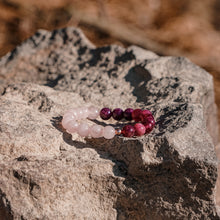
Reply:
x=96 y=131
x=93 y=112
x=82 y=112
x=78 y=113
x=66 y=119
x=108 y=132
x=83 y=129
x=69 y=115
x=72 y=126
x=69 y=111
x=73 y=111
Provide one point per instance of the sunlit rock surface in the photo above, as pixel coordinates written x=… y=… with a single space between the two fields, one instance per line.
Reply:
x=47 y=173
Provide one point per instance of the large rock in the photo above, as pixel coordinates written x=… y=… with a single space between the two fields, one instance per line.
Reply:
x=49 y=174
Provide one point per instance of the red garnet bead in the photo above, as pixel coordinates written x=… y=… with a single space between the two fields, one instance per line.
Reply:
x=145 y=114
x=128 y=131
x=150 y=120
x=136 y=115
x=105 y=113
x=117 y=114
x=128 y=114
x=139 y=129
x=149 y=125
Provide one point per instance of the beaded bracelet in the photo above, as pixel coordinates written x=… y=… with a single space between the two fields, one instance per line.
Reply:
x=144 y=118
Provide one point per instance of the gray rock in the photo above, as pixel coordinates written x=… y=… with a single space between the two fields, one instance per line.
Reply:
x=49 y=174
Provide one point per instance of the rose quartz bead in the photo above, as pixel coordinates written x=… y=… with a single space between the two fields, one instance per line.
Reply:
x=93 y=112
x=139 y=129
x=108 y=132
x=71 y=111
x=72 y=126
x=96 y=131
x=83 y=129
x=85 y=111
x=68 y=111
x=66 y=119
x=69 y=115
x=79 y=112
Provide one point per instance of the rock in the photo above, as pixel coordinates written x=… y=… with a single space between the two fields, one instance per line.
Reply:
x=49 y=174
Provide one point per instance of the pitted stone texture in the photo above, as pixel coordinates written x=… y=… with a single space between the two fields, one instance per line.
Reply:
x=66 y=60
x=49 y=174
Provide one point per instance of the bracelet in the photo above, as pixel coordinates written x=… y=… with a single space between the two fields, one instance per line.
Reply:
x=144 y=118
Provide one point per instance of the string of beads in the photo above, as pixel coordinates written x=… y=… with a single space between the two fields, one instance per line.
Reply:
x=72 y=122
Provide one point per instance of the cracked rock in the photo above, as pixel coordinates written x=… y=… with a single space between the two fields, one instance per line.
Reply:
x=47 y=173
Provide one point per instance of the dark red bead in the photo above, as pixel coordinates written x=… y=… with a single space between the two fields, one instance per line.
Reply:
x=118 y=114
x=136 y=115
x=151 y=120
x=145 y=114
x=105 y=113
x=149 y=125
x=128 y=114
x=128 y=131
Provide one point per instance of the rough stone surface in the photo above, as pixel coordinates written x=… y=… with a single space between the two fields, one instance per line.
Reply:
x=49 y=174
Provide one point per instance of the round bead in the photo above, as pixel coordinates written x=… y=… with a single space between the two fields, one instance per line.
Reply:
x=85 y=112
x=105 y=113
x=108 y=132
x=136 y=115
x=96 y=131
x=128 y=114
x=117 y=131
x=149 y=126
x=117 y=114
x=74 y=111
x=80 y=113
x=93 y=112
x=70 y=111
x=150 y=120
x=69 y=115
x=128 y=131
x=72 y=126
x=145 y=114
x=66 y=119
x=139 y=129
x=83 y=129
